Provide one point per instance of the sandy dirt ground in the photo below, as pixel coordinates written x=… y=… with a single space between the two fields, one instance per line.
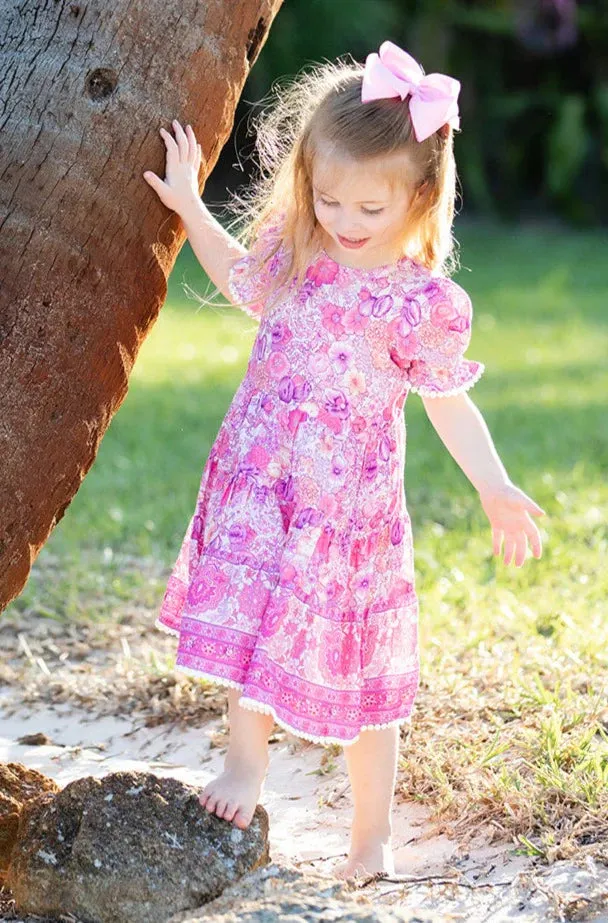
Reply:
x=310 y=811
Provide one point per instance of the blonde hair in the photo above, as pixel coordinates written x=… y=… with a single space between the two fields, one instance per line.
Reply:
x=321 y=109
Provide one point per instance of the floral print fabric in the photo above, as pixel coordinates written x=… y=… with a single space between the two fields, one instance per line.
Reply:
x=294 y=582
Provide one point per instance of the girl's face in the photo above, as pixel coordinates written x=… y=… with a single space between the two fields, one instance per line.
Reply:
x=361 y=217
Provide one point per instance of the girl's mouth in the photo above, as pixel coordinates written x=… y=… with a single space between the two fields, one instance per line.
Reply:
x=352 y=244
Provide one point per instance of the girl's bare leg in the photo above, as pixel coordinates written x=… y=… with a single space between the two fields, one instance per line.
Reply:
x=372 y=769
x=234 y=794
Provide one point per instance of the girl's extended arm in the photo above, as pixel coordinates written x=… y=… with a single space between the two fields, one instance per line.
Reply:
x=214 y=247
x=463 y=431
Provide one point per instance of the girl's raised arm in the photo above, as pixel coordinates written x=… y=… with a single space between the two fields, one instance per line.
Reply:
x=215 y=249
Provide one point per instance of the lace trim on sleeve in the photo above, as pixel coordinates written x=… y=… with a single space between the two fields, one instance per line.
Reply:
x=467 y=373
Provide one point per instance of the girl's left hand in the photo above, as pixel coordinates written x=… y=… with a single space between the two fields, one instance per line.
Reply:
x=179 y=189
x=508 y=510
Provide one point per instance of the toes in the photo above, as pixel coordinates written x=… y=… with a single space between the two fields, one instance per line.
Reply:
x=242 y=819
x=341 y=871
x=231 y=809
x=349 y=870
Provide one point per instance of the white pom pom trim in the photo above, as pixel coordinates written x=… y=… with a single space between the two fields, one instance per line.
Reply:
x=424 y=392
x=264 y=708
x=166 y=628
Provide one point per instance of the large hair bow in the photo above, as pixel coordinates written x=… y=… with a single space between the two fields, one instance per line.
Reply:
x=433 y=97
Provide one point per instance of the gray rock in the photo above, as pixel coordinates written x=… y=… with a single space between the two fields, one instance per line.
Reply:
x=283 y=894
x=130 y=846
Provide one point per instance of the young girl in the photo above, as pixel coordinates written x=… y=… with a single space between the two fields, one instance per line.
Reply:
x=294 y=586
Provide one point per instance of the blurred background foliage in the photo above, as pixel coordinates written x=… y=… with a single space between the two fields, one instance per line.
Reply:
x=533 y=102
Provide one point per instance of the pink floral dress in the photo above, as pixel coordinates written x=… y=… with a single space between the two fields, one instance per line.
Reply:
x=295 y=578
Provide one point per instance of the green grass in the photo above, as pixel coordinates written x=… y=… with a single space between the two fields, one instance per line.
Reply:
x=514 y=660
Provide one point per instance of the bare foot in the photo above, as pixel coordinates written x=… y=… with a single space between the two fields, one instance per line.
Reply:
x=371 y=857
x=234 y=794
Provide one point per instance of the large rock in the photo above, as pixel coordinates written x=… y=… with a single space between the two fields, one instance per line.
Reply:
x=282 y=893
x=130 y=846
x=18 y=785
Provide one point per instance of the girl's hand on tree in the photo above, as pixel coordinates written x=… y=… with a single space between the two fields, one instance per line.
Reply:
x=184 y=156
x=508 y=510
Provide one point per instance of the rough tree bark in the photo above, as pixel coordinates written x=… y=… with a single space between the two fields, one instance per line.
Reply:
x=86 y=247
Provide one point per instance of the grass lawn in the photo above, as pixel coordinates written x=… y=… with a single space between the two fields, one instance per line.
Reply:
x=511 y=721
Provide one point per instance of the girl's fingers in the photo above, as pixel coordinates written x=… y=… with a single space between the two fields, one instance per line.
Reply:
x=516 y=543
x=158 y=185
x=182 y=140
x=509 y=548
x=520 y=549
x=516 y=529
x=172 y=149
x=193 y=146
x=528 y=504
x=534 y=538
x=169 y=140
x=152 y=179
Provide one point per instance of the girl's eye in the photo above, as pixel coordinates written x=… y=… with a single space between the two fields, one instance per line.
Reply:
x=367 y=211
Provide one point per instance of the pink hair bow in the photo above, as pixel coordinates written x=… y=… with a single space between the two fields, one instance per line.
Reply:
x=394 y=72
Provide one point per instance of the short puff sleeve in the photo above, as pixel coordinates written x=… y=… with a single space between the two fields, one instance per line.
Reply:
x=433 y=332
x=250 y=277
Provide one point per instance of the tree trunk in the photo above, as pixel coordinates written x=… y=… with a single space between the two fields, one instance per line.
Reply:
x=86 y=245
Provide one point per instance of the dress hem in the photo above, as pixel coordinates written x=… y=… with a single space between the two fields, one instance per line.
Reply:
x=218 y=680
x=166 y=628
x=262 y=707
